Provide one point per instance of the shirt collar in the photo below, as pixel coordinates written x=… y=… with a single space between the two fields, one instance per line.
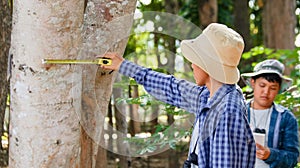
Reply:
x=219 y=95
x=279 y=108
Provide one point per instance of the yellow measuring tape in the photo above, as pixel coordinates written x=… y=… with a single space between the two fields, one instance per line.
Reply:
x=99 y=61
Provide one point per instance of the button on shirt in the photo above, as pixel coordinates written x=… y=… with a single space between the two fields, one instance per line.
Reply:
x=225 y=138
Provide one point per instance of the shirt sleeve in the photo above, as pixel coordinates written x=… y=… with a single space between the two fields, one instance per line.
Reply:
x=287 y=153
x=166 y=88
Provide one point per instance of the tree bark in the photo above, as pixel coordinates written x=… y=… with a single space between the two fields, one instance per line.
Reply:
x=279 y=21
x=44 y=126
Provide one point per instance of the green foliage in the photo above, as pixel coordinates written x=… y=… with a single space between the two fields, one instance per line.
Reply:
x=143 y=101
x=289 y=57
x=189 y=11
x=225 y=12
x=155 y=5
x=256 y=29
x=164 y=136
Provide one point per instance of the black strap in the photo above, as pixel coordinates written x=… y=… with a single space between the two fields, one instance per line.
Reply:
x=195 y=145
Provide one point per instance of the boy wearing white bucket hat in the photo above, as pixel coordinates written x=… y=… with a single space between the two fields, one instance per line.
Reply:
x=222 y=136
x=275 y=127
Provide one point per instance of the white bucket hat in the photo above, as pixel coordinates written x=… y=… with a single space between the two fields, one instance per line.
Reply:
x=267 y=67
x=217 y=50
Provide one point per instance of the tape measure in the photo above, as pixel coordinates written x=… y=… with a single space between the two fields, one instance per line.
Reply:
x=99 y=61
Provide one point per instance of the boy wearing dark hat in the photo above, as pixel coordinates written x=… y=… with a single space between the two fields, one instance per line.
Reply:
x=222 y=136
x=274 y=127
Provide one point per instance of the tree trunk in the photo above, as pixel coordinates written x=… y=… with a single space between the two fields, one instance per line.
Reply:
x=208 y=12
x=242 y=21
x=106 y=28
x=279 y=21
x=44 y=126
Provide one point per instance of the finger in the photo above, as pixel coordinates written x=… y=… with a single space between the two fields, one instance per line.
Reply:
x=110 y=55
x=259 y=156
x=107 y=67
x=107 y=55
x=259 y=146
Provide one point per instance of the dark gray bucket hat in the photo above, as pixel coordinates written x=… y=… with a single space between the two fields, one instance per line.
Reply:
x=270 y=66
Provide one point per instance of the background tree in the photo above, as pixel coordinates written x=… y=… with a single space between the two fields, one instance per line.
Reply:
x=279 y=22
x=208 y=12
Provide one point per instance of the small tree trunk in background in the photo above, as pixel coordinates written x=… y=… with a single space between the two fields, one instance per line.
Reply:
x=154 y=112
x=135 y=126
x=121 y=126
x=242 y=25
x=44 y=126
x=110 y=130
x=208 y=12
x=242 y=21
x=279 y=21
x=154 y=117
x=171 y=7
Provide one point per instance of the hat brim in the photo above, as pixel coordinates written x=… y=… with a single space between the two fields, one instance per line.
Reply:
x=200 y=55
x=285 y=84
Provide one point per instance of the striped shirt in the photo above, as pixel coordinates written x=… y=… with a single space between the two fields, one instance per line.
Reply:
x=224 y=138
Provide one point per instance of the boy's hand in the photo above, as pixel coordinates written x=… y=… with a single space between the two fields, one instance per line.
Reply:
x=115 y=58
x=262 y=152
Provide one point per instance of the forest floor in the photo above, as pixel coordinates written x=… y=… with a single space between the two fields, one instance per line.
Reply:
x=156 y=161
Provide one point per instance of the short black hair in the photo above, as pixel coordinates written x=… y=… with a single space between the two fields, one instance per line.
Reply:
x=271 y=77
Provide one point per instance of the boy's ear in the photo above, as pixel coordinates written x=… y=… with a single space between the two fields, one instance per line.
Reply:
x=252 y=82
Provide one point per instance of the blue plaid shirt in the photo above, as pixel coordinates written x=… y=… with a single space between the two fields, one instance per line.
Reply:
x=224 y=139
